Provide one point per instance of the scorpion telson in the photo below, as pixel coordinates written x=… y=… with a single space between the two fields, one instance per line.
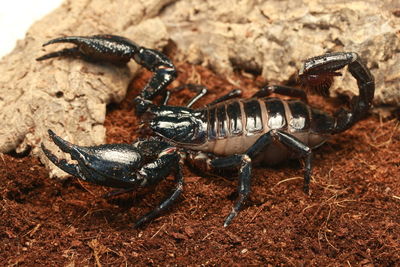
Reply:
x=258 y=130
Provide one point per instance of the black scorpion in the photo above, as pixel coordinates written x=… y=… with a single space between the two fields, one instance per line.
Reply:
x=229 y=133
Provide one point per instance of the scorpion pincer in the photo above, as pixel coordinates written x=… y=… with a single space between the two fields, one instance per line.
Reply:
x=229 y=133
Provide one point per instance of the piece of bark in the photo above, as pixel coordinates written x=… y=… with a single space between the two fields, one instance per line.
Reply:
x=273 y=37
x=70 y=96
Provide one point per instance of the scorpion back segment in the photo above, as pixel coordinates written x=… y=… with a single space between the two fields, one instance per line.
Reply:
x=235 y=133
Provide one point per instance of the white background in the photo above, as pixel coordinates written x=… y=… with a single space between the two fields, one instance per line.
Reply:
x=16 y=16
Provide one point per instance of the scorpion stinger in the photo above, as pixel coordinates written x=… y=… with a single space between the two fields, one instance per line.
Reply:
x=119 y=50
x=318 y=68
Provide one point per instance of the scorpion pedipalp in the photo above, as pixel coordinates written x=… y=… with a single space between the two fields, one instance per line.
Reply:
x=125 y=166
x=120 y=50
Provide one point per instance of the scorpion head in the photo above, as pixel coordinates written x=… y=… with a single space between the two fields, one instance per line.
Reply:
x=177 y=124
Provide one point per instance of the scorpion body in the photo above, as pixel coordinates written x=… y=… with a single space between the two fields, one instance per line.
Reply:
x=226 y=134
x=231 y=127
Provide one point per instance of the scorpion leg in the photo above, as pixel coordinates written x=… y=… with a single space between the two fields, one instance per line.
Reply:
x=232 y=94
x=199 y=89
x=119 y=50
x=117 y=192
x=292 y=143
x=167 y=161
x=303 y=151
x=166 y=203
x=282 y=90
x=244 y=161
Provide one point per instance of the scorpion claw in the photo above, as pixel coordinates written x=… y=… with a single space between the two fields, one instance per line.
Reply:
x=61 y=163
x=119 y=51
x=64 y=145
x=78 y=40
x=110 y=165
x=69 y=39
x=122 y=166
x=65 y=52
x=111 y=48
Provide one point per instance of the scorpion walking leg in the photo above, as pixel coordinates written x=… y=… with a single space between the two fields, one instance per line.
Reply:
x=117 y=192
x=232 y=94
x=282 y=90
x=244 y=161
x=291 y=143
x=199 y=89
x=300 y=149
x=151 y=173
x=119 y=50
x=166 y=203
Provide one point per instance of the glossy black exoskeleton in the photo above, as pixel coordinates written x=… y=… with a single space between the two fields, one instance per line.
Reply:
x=126 y=166
x=231 y=132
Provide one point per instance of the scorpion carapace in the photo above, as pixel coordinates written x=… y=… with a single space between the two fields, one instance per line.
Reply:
x=228 y=133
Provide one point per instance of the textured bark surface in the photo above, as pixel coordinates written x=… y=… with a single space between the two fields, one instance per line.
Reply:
x=273 y=37
x=270 y=38
x=70 y=96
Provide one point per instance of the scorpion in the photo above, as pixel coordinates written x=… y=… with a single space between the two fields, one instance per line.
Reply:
x=229 y=133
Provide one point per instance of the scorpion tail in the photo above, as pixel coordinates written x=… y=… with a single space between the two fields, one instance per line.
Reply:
x=318 y=72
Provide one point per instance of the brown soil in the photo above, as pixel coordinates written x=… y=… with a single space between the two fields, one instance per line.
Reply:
x=351 y=217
